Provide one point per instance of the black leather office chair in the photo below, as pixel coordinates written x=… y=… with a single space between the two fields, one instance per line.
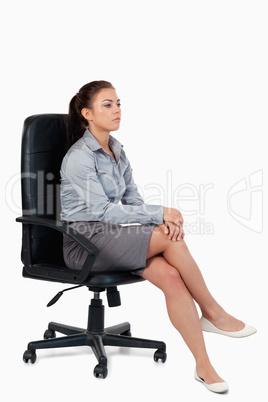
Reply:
x=43 y=147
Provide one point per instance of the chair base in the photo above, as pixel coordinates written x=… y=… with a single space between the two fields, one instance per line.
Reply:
x=95 y=336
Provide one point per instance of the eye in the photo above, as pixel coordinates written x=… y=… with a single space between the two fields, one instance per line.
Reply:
x=107 y=105
x=119 y=104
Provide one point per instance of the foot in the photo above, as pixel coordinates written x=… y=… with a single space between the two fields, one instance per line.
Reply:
x=207 y=326
x=207 y=373
x=226 y=322
x=218 y=387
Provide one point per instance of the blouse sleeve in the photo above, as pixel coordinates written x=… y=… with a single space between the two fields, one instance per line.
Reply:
x=131 y=195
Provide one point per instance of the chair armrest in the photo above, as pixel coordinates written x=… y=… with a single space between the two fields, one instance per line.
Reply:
x=63 y=228
x=74 y=276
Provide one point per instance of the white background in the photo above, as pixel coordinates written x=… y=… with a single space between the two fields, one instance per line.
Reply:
x=192 y=78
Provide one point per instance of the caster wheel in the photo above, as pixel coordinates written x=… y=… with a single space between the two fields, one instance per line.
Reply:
x=29 y=355
x=100 y=371
x=49 y=334
x=127 y=333
x=160 y=354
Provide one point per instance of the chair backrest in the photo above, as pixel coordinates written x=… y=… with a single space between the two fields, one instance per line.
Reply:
x=43 y=147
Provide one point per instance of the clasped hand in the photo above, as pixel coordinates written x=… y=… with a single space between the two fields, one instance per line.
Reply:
x=172 y=224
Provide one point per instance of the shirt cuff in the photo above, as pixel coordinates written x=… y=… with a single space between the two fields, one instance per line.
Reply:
x=155 y=212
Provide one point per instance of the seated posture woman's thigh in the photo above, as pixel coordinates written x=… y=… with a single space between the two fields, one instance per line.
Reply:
x=158 y=242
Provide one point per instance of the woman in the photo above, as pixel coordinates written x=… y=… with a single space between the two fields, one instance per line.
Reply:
x=95 y=176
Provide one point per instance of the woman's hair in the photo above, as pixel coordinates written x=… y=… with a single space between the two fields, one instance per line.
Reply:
x=77 y=124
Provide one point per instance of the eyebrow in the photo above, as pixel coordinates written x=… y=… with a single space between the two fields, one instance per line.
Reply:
x=110 y=100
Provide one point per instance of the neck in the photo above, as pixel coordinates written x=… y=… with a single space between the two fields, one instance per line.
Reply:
x=102 y=137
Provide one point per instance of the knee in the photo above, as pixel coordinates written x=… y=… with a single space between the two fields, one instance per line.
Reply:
x=163 y=275
x=160 y=238
x=158 y=244
x=172 y=281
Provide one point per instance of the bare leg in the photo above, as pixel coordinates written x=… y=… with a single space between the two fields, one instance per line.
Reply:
x=182 y=312
x=178 y=255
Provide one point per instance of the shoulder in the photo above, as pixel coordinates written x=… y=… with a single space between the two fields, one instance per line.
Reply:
x=78 y=155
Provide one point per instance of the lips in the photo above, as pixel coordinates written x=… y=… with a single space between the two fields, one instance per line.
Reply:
x=117 y=119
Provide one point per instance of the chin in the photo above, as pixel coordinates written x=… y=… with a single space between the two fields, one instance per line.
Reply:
x=115 y=128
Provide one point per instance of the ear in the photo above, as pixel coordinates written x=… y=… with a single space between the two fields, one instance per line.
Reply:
x=86 y=113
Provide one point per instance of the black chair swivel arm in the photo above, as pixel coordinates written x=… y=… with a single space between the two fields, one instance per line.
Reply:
x=60 y=275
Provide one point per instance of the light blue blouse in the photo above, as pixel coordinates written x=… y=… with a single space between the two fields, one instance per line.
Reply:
x=95 y=187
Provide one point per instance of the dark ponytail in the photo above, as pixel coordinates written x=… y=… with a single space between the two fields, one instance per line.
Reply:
x=77 y=124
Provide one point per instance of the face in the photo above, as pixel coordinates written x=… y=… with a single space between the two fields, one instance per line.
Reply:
x=105 y=114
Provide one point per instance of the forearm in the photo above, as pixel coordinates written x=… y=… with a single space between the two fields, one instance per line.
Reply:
x=143 y=214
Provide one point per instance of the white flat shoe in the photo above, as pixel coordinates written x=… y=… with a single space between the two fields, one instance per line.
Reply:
x=209 y=327
x=219 y=387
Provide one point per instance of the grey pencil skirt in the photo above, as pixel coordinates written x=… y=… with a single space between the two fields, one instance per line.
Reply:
x=122 y=248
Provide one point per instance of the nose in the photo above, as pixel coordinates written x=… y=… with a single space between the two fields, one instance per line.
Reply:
x=117 y=109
